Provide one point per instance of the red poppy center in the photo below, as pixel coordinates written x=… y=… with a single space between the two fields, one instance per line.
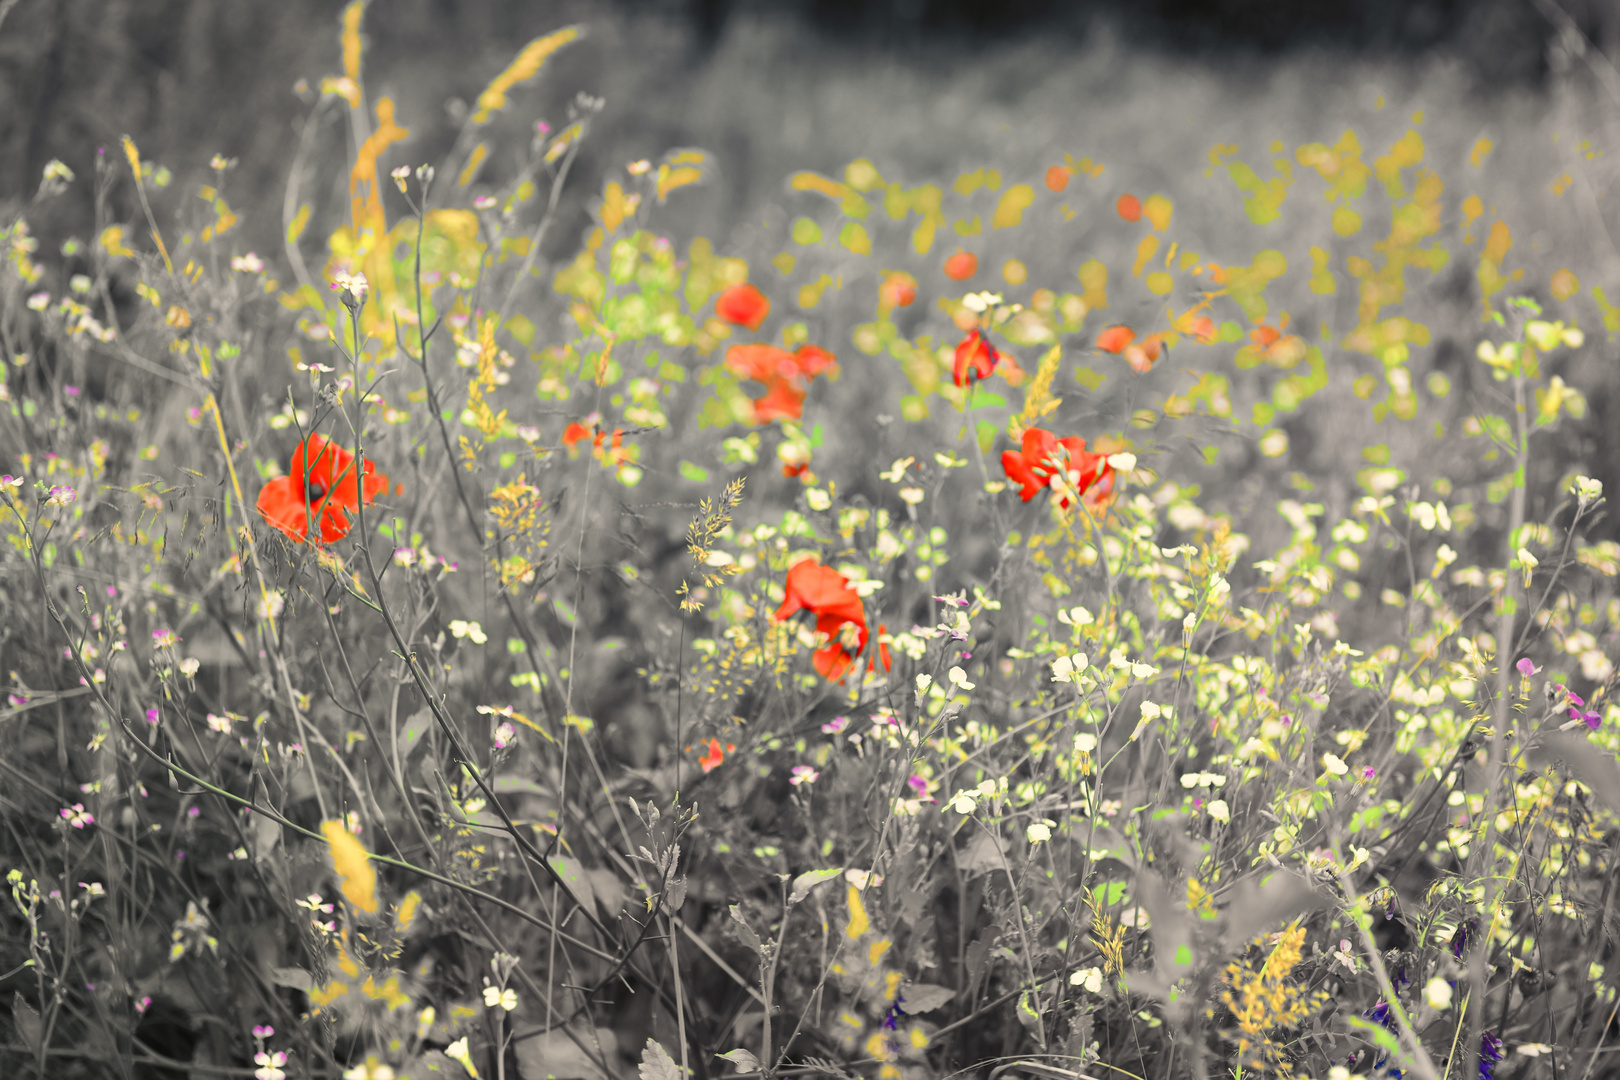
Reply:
x=316 y=490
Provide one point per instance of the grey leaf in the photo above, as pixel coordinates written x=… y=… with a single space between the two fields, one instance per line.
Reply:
x=656 y=1064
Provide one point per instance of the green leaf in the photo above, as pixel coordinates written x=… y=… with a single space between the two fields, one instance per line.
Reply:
x=574 y=878
x=29 y=1026
x=1261 y=901
x=809 y=880
x=745 y=1061
x=411 y=734
x=695 y=473
x=920 y=998
x=746 y=932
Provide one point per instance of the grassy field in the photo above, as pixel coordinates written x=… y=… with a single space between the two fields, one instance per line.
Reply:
x=1091 y=576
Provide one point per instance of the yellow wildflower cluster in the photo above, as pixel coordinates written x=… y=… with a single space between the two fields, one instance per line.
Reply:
x=1263 y=1000
x=518 y=510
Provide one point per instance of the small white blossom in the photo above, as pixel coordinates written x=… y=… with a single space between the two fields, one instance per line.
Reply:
x=1065 y=668
x=1090 y=978
x=271 y=604
x=461 y=628
x=1438 y=994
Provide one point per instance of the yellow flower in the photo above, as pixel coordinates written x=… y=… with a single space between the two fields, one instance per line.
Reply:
x=352 y=863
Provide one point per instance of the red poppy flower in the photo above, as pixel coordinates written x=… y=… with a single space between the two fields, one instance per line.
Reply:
x=714 y=755
x=839 y=613
x=743 y=305
x=812 y=360
x=574 y=434
x=782 y=400
x=962 y=265
x=1129 y=207
x=1044 y=456
x=975 y=359
x=1057 y=178
x=786 y=375
x=1115 y=338
x=324 y=488
x=898 y=290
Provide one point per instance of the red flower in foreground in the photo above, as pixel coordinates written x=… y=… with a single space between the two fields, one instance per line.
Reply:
x=1044 y=457
x=743 y=305
x=1129 y=207
x=840 y=615
x=975 y=359
x=325 y=489
x=786 y=376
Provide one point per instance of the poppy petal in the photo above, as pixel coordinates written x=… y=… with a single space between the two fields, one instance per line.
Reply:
x=281 y=504
x=743 y=305
x=1115 y=338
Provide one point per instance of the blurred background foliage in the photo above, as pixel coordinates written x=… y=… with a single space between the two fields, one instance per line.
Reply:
x=930 y=86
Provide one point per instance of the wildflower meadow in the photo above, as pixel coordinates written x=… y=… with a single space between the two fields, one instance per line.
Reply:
x=1075 y=618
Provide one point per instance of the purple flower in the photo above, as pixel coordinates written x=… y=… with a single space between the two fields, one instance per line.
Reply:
x=1380 y=1014
x=1459 y=938
x=1526 y=667
x=892 y=1015
x=1593 y=720
x=1490 y=1052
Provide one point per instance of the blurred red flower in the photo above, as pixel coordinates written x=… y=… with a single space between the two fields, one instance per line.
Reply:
x=786 y=375
x=743 y=305
x=975 y=359
x=898 y=290
x=1129 y=207
x=962 y=265
x=714 y=755
x=1115 y=338
x=1044 y=456
x=574 y=434
x=840 y=615
x=1143 y=354
x=322 y=483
